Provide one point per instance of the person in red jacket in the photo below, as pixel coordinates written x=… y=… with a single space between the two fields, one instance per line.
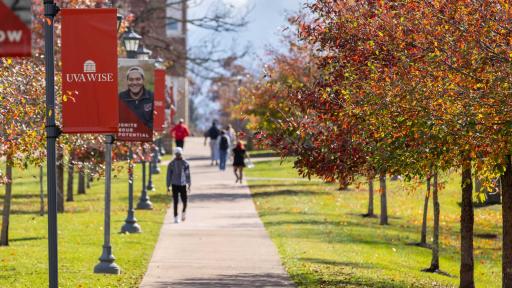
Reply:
x=180 y=132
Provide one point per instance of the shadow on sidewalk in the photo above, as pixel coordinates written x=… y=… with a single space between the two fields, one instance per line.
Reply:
x=197 y=158
x=218 y=197
x=237 y=280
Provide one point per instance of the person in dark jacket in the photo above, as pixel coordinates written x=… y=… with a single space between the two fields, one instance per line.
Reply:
x=224 y=145
x=213 y=133
x=178 y=178
x=138 y=99
x=239 y=155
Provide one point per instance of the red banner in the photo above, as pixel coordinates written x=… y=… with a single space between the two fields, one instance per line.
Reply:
x=15 y=33
x=173 y=105
x=89 y=71
x=159 y=120
x=136 y=100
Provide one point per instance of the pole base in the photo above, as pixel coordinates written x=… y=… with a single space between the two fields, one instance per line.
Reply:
x=131 y=228
x=145 y=205
x=106 y=267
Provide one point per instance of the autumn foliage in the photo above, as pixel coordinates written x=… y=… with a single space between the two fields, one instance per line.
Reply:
x=408 y=87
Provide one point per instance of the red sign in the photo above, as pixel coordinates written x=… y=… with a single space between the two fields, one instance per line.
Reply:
x=15 y=33
x=136 y=100
x=159 y=120
x=173 y=105
x=89 y=71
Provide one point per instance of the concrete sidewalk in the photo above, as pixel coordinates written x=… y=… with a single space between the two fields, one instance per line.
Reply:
x=222 y=243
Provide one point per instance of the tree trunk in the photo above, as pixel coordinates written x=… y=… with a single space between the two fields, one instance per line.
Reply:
x=466 y=224
x=370 y=198
x=423 y=240
x=71 y=170
x=506 y=194
x=60 y=181
x=41 y=191
x=81 y=181
x=89 y=180
x=4 y=234
x=383 y=200
x=434 y=265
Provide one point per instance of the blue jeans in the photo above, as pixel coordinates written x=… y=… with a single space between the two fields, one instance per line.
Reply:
x=223 y=158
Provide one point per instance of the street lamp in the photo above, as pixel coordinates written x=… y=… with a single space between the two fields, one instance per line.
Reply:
x=155 y=169
x=107 y=265
x=150 y=186
x=143 y=53
x=144 y=203
x=119 y=21
x=130 y=223
x=159 y=63
x=52 y=133
x=131 y=41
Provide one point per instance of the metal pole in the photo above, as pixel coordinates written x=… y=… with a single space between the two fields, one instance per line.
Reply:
x=144 y=203
x=131 y=54
x=107 y=265
x=156 y=156
x=150 y=186
x=52 y=133
x=160 y=147
x=130 y=223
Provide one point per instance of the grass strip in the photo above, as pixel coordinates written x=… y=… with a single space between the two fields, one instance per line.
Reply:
x=324 y=242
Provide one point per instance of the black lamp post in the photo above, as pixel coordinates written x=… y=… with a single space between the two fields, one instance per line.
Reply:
x=130 y=223
x=144 y=203
x=107 y=265
x=143 y=53
x=119 y=21
x=150 y=186
x=131 y=42
x=52 y=133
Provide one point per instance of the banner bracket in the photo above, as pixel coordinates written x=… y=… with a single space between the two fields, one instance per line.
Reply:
x=53 y=131
x=51 y=9
x=110 y=139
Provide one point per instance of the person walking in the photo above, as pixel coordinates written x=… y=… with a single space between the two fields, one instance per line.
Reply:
x=231 y=133
x=239 y=155
x=178 y=178
x=213 y=133
x=180 y=132
x=223 y=149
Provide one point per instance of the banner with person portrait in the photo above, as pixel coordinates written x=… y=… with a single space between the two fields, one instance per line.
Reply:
x=136 y=100
x=15 y=28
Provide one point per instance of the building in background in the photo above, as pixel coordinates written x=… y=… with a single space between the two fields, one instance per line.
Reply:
x=163 y=26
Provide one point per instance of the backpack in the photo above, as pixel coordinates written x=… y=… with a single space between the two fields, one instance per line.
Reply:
x=224 y=145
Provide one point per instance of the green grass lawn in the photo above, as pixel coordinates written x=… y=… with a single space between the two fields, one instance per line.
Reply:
x=324 y=242
x=262 y=153
x=80 y=230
